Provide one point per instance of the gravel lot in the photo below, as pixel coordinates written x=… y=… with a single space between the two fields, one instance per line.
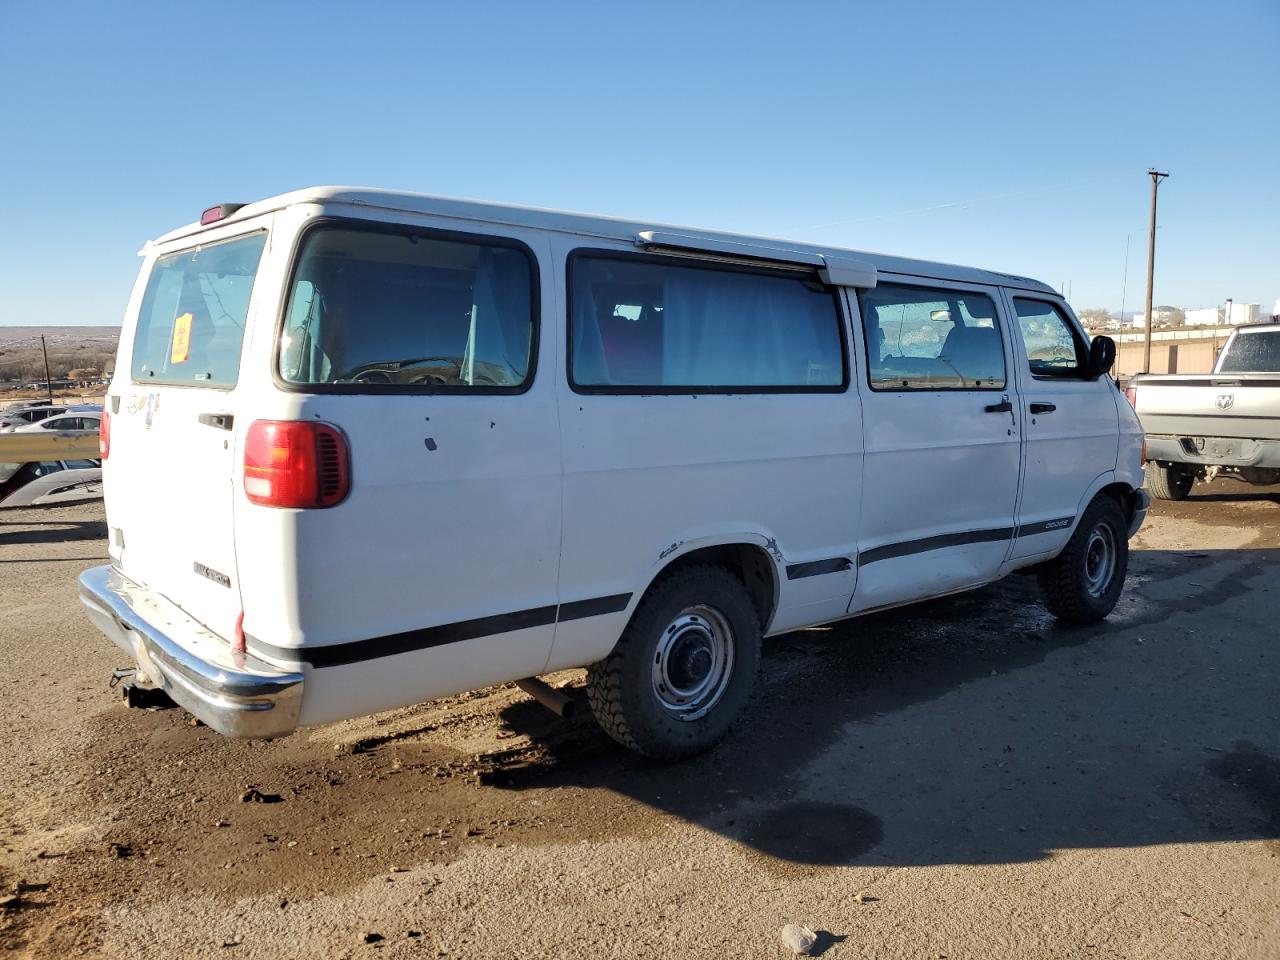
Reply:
x=963 y=779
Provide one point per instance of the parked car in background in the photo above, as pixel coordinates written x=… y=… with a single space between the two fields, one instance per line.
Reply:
x=66 y=422
x=26 y=405
x=19 y=416
x=364 y=449
x=1226 y=423
x=49 y=482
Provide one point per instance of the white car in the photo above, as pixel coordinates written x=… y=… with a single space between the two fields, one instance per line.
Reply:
x=364 y=449
x=18 y=417
x=65 y=422
x=49 y=482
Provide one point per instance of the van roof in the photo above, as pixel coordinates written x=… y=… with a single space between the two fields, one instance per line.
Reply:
x=612 y=228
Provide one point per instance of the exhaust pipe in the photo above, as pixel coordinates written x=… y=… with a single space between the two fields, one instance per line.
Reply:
x=551 y=698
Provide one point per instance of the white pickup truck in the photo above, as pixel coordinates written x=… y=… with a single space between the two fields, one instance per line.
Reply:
x=1226 y=423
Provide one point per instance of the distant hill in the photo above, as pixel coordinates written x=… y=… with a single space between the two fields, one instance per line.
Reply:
x=61 y=334
x=82 y=349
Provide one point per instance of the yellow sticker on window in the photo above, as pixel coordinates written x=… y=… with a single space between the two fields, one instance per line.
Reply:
x=181 y=348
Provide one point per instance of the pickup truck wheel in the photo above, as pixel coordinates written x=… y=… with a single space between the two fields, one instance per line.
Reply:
x=1083 y=583
x=684 y=667
x=1169 y=483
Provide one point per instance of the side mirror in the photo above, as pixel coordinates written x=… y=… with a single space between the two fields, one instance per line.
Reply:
x=1102 y=357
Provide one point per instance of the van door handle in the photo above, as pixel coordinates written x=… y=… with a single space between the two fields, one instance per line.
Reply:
x=1043 y=407
x=1004 y=406
x=222 y=421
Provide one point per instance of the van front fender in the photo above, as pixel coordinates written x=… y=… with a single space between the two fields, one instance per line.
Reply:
x=1133 y=498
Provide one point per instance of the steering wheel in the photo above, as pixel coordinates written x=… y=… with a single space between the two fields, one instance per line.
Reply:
x=432 y=379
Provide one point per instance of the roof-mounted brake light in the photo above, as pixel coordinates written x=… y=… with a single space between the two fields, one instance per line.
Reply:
x=220 y=212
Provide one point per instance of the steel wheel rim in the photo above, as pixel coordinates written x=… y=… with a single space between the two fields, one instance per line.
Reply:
x=1099 y=559
x=693 y=662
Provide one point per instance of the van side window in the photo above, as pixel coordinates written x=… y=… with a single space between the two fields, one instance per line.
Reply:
x=191 y=324
x=922 y=338
x=1054 y=349
x=651 y=324
x=401 y=311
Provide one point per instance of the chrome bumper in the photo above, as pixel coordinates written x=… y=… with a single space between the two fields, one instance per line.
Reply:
x=1213 y=451
x=236 y=694
x=1141 y=504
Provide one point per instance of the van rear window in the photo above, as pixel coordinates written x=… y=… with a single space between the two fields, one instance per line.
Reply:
x=191 y=325
x=376 y=311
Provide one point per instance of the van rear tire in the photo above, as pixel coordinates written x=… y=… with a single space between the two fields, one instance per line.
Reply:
x=1083 y=583
x=1169 y=483
x=684 y=667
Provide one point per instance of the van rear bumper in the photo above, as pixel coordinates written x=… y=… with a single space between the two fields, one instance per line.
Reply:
x=236 y=694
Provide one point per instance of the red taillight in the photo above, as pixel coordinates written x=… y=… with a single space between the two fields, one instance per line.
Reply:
x=296 y=463
x=1131 y=394
x=104 y=435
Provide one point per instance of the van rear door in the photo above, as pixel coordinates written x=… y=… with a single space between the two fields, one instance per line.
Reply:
x=169 y=473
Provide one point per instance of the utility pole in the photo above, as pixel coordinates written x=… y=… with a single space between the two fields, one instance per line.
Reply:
x=1124 y=286
x=1156 y=176
x=48 y=381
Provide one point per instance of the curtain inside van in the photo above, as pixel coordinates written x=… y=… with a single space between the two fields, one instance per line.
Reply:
x=732 y=330
x=588 y=346
x=642 y=323
x=499 y=331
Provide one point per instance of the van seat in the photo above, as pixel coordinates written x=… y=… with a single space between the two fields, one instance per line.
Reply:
x=974 y=352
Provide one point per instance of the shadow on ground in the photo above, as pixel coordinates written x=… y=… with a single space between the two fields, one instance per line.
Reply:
x=51 y=531
x=945 y=734
x=1223 y=490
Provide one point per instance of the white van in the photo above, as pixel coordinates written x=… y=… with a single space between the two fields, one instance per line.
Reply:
x=364 y=449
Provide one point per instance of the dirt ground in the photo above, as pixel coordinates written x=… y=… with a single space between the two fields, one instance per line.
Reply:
x=961 y=779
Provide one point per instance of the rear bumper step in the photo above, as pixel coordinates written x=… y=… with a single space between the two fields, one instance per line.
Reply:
x=234 y=693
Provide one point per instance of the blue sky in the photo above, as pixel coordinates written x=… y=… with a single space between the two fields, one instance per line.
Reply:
x=1006 y=135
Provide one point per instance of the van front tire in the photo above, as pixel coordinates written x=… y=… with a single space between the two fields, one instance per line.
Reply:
x=684 y=667
x=1083 y=583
